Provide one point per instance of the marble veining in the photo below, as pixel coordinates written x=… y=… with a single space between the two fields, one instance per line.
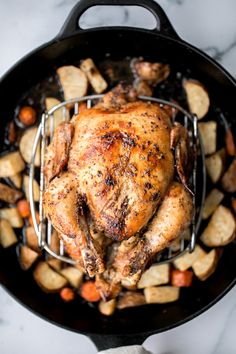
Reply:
x=207 y=24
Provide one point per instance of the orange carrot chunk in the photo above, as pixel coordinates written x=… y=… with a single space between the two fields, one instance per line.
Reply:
x=67 y=294
x=181 y=278
x=31 y=219
x=23 y=208
x=229 y=141
x=27 y=115
x=89 y=291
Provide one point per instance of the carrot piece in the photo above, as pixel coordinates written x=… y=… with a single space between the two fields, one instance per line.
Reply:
x=67 y=294
x=11 y=132
x=89 y=291
x=233 y=202
x=23 y=208
x=31 y=219
x=181 y=278
x=27 y=115
x=229 y=141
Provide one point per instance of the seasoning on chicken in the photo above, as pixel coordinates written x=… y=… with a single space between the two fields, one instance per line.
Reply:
x=115 y=165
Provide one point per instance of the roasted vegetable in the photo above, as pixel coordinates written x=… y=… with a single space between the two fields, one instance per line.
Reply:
x=130 y=299
x=186 y=261
x=67 y=294
x=12 y=215
x=220 y=229
x=89 y=291
x=208 y=135
x=215 y=165
x=181 y=278
x=31 y=238
x=212 y=201
x=197 y=97
x=26 y=146
x=8 y=194
x=73 y=275
x=73 y=81
x=94 y=76
x=107 y=308
x=229 y=142
x=48 y=279
x=11 y=164
x=27 y=257
x=155 y=275
x=229 y=179
x=161 y=294
x=151 y=72
x=23 y=208
x=36 y=191
x=7 y=234
x=58 y=116
x=27 y=115
x=206 y=265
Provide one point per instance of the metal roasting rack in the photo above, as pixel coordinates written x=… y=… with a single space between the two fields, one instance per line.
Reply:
x=197 y=181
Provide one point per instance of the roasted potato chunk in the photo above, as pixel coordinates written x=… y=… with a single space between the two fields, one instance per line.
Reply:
x=221 y=228
x=208 y=135
x=206 y=265
x=130 y=299
x=11 y=164
x=58 y=117
x=26 y=146
x=197 y=97
x=27 y=257
x=48 y=279
x=94 y=76
x=7 y=234
x=36 y=189
x=186 y=261
x=212 y=201
x=107 y=308
x=215 y=165
x=154 y=73
x=229 y=179
x=13 y=216
x=31 y=238
x=155 y=275
x=161 y=294
x=73 y=275
x=73 y=81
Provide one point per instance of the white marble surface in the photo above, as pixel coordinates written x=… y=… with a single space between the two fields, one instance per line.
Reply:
x=208 y=24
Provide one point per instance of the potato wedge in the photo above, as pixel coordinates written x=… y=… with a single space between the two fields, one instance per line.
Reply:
x=73 y=275
x=11 y=164
x=208 y=135
x=27 y=257
x=161 y=294
x=155 y=275
x=16 y=180
x=48 y=279
x=55 y=264
x=13 y=216
x=35 y=188
x=212 y=201
x=31 y=238
x=186 y=261
x=26 y=146
x=215 y=165
x=8 y=194
x=130 y=299
x=107 y=308
x=58 y=116
x=94 y=76
x=73 y=80
x=197 y=97
x=205 y=266
x=7 y=234
x=221 y=228
x=229 y=179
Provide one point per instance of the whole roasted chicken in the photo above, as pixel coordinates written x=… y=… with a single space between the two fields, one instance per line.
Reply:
x=111 y=171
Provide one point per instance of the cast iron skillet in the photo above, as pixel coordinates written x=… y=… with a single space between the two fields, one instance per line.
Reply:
x=129 y=326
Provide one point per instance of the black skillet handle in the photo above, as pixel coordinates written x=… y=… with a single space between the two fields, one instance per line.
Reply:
x=71 y=25
x=103 y=342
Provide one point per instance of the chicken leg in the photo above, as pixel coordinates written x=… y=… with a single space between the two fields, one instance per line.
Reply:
x=171 y=220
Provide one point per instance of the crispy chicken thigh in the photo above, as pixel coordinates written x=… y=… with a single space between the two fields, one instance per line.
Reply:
x=114 y=164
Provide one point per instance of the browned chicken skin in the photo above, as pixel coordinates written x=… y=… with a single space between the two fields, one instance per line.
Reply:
x=114 y=164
